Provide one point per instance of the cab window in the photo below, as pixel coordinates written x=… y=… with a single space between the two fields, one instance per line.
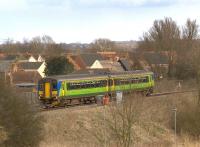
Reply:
x=54 y=86
x=40 y=86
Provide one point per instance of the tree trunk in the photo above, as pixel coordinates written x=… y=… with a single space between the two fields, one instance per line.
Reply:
x=171 y=64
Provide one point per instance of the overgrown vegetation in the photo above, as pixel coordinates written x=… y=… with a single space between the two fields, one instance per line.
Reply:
x=188 y=118
x=124 y=125
x=115 y=123
x=20 y=123
x=181 y=45
x=151 y=126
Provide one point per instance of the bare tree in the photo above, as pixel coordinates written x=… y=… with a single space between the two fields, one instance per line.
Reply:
x=114 y=124
x=47 y=39
x=190 y=30
x=191 y=49
x=19 y=121
x=185 y=53
x=103 y=44
x=36 y=44
x=164 y=35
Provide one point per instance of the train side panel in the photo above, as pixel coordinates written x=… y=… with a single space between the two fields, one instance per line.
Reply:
x=70 y=89
x=52 y=89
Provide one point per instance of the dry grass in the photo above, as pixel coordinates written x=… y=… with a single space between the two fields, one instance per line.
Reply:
x=187 y=141
x=3 y=135
x=62 y=127
x=172 y=85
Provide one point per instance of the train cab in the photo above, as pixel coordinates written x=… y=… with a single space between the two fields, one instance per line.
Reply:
x=47 y=89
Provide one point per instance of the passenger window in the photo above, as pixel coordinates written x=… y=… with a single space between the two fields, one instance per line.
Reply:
x=110 y=82
x=135 y=80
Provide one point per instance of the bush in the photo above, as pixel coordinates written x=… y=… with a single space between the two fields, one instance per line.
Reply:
x=184 y=70
x=114 y=125
x=19 y=120
x=58 y=65
x=188 y=118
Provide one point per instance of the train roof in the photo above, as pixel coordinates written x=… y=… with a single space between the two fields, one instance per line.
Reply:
x=101 y=75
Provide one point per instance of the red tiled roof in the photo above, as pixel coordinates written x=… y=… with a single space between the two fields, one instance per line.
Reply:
x=25 y=77
x=30 y=65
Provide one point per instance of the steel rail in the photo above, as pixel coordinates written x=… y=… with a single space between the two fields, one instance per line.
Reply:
x=169 y=93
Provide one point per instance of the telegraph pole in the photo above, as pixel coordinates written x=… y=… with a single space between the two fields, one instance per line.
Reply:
x=175 y=109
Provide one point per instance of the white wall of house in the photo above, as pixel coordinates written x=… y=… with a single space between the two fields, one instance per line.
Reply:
x=32 y=59
x=40 y=59
x=96 y=64
x=41 y=69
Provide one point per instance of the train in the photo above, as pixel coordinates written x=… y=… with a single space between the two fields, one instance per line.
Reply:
x=63 y=89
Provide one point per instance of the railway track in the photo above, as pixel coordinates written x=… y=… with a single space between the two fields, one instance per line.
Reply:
x=71 y=107
x=92 y=105
x=169 y=93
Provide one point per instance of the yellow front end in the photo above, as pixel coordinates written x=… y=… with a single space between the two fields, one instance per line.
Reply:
x=54 y=93
x=47 y=90
x=44 y=91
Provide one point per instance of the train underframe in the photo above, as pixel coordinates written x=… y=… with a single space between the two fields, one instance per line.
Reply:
x=67 y=101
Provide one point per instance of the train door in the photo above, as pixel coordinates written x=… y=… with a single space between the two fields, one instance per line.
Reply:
x=47 y=89
x=110 y=83
x=63 y=88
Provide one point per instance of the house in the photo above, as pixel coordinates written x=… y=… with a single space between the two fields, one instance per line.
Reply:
x=137 y=62
x=36 y=58
x=10 y=58
x=20 y=77
x=158 y=62
x=5 y=66
x=156 y=59
x=40 y=58
x=108 y=55
x=30 y=66
x=25 y=81
x=75 y=61
x=25 y=75
x=125 y=64
x=83 y=61
x=31 y=58
x=113 y=66
x=5 y=69
x=92 y=71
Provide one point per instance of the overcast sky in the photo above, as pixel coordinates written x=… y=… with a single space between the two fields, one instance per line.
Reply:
x=85 y=20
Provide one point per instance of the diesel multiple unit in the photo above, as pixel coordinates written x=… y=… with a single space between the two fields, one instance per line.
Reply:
x=85 y=87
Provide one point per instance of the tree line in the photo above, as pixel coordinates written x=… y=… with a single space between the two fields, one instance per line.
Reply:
x=47 y=46
x=180 y=43
x=37 y=45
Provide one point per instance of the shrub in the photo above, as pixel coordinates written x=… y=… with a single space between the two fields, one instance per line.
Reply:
x=188 y=118
x=20 y=120
x=114 y=125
